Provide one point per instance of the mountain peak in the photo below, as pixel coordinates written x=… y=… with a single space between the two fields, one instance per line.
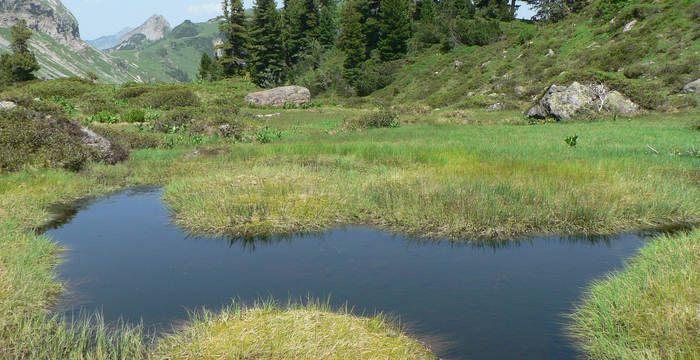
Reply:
x=153 y=29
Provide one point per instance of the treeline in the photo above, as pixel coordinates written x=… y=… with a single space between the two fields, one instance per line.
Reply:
x=275 y=45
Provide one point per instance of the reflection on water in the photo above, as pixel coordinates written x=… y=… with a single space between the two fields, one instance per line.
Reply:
x=470 y=301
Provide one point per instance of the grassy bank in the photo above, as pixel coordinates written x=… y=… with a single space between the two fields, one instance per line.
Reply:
x=310 y=331
x=649 y=310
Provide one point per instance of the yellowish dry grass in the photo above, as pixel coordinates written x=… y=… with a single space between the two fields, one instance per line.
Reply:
x=267 y=331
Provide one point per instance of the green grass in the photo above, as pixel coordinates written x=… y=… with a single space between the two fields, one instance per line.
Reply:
x=296 y=331
x=649 y=310
x=457 y=174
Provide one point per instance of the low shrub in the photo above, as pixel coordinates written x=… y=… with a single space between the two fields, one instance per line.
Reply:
x=130 y=138
x=133 y=116
x=375 y=119
x=29 y=138
x=93 y=103
x=373 y=76
x=65 y=87
x=169 y=99
x=478 y=31
x=178 y=119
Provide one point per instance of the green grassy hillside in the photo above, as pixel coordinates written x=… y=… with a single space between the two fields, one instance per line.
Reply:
x=649 y=63
x=174 y=58
x=58 y=60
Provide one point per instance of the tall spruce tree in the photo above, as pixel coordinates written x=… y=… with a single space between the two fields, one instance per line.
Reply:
x=21 y=64
x=267 y=66
x=326 y=23
x=394 y=29
x=233 y=29
x=352 y=41
x=494 y=9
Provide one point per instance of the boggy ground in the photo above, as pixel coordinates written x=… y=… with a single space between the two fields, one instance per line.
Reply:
x=433 y=176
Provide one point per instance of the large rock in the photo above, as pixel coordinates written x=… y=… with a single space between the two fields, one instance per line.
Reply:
x=104 y=149
x=562 y=102
x=279 y=96
x=691 y=86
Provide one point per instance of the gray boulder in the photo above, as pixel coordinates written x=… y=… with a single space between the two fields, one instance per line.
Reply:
x=297 y=95
x=104 y=149
x=691 y=87
x=562 y=102
x=7 y=105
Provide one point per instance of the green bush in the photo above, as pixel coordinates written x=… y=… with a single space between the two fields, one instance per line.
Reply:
x=267 y=135
x=93 y=103
x=133 y=116
x=635 y=71
x=374 y=75
x=104 y=117
x=130 y=138
x=169 y=99
x=477 y=31
x=132 y=90
x=178 y=119
x=375 y=119
x=29 y=138
x=66 y=87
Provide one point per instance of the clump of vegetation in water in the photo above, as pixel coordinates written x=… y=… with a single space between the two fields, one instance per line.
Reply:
x=270 y=331
x=649 y=310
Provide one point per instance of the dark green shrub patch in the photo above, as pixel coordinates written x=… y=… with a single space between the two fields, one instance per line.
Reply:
x=375 y=119
x=478 y=31
x=66 y=87
x=93 y=103
x=178 y=119
x=29 y=138
x=169 y=99
x=129 y=137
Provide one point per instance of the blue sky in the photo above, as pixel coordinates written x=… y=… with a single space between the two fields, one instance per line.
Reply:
x=107 y=17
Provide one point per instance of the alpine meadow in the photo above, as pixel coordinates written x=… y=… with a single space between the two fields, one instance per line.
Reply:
x=356 y=179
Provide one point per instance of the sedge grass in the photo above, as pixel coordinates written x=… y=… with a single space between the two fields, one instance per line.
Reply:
x=310 y=330
x=649 y=310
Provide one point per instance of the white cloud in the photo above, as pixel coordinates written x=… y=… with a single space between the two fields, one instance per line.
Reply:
x=205 y=9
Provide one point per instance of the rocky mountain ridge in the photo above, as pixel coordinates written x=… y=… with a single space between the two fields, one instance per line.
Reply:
x=153 y=29
x=57 y=44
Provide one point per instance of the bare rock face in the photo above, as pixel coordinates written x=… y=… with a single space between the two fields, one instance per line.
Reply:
x=154 y=29
x=47 y=16
x=691 y=87
x=297 y=95
x=562 y=102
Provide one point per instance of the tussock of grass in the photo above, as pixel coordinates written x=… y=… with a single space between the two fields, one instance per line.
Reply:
x=649 y=310
x=310 y=331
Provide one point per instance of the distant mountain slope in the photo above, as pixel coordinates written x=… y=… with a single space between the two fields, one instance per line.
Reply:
x=175 y=58
x=57 y=45
x=108 y=41
x=155 y=28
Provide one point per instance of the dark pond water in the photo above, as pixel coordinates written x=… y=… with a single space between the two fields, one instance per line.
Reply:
x=469 y=302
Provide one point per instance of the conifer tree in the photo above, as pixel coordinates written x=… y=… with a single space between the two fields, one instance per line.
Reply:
x=352 y=41
x=394 y=29
x=267 y=66
x=326 y=23
x=205 y=67
x=21 y=64
x=234 y=47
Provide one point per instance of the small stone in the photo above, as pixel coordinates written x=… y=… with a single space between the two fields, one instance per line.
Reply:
x=7 y=105
x=629 y=25
x=550 y=53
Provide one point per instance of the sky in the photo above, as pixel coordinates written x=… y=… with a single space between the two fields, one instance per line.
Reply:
x=107 y=17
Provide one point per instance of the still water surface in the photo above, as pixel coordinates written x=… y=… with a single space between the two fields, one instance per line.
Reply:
x=126 y=258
